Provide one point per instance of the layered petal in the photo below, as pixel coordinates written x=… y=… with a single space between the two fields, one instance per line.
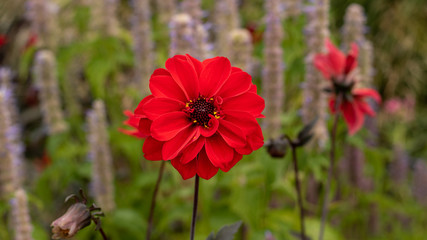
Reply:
x=218 y=151
x=159 y=106
x=196 y=63
x=184 y=74
x=248 y=102
x=168 y=125
x=236 y=158
x=152 y=149
x=166 y=87
x=172 y=148
x=187 y=171
x=205 y=168
x=232 y=134
x=237 y=84
x=191 y=151
x=214 y=74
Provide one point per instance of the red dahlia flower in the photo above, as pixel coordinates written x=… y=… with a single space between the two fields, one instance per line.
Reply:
x=335 y=65
x=201 y=116
x=338 y=68
x=354 y=107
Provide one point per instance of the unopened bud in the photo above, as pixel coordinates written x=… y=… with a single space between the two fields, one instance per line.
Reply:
x=77 y=217
x=277 y=148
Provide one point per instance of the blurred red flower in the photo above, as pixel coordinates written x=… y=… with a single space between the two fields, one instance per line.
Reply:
x=201 y=116
x=338 y=68
x=354 y=107
x=2 y=40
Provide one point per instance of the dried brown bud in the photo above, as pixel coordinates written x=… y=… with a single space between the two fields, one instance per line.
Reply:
x=77 y=217
x=277 y=148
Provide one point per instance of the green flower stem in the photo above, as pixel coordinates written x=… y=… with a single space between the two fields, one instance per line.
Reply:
x=331 y=167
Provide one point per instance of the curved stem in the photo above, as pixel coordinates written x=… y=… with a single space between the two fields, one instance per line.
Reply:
x=196 y=199
x=103 y=234
x=331 y=167
x=298 y=188
x=153 y=201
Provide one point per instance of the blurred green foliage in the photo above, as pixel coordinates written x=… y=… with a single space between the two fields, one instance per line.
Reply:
x=259 y=190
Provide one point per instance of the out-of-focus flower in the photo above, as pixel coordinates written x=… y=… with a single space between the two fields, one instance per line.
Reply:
x=335 y=65
x=393 y=105
x=201 y=116
x=77 y=217
x=2 y=40
x=354 y=107
x=338 y=68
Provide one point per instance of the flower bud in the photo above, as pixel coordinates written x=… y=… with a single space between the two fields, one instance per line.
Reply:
x=77 y=217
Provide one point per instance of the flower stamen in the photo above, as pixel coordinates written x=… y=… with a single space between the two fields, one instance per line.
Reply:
x=200 y=110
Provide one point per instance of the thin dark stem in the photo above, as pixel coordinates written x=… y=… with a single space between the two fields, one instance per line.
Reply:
x=298 y=186
x=103 y=234
x=331 y=167
x=153 y=201
x=196 y=199
x=97 y=222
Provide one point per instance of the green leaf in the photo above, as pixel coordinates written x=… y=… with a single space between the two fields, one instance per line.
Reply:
x=227 y=232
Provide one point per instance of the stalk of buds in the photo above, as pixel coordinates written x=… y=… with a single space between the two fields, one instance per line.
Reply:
x=241 y=49
x=272 y=76
x=77 y=217
x=166 y=9
x=21 y=218
x=102 y=184
x=316 y=31
x=181 y=34
x=142 y=44
x=226 y=19
x=47 y=84
x=43 y=14
x=10 y=152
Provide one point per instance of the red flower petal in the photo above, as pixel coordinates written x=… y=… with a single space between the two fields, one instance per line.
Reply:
x=196 y=63
x=184 y=74
x=172 y=148
x=159 y=106
x=213 y=127
x=352 y=116
x=152 y=149
x=168 y=125
x=214 y=75
x=191 y=151
x=165 y=86
x=218 y=151
x=235 y=70
x=205 y=168
x=336 y=58
x=364 y=107
x=321 y=62
x=134 y=133
x=248 y=102
x=232 y=134
x=237 y=84
x=351 y=61
x=367 y=92
x=236 y=158
x=139 y=110
x=187 y=171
